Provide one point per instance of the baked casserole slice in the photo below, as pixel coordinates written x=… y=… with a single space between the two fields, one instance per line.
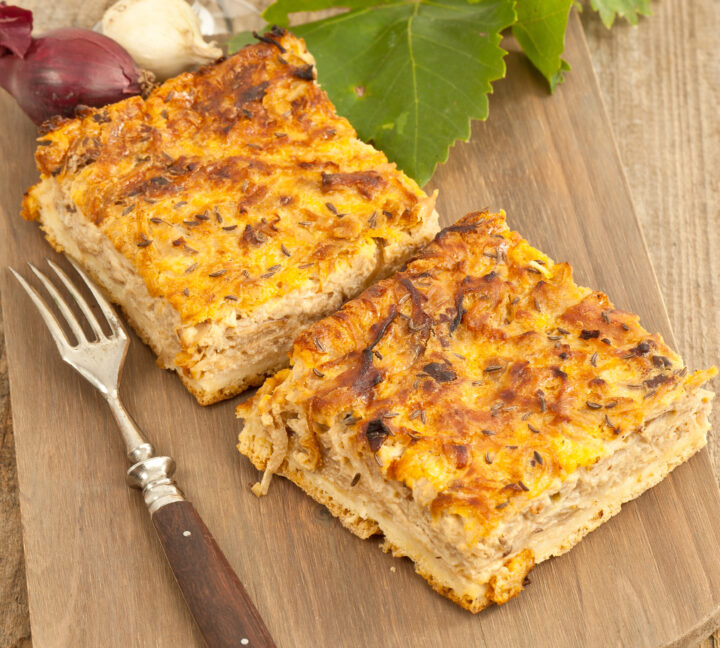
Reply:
x=226 y=211
x=479 y=409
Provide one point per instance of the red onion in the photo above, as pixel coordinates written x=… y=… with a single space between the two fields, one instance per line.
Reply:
x=15 y=28
x=62 y=69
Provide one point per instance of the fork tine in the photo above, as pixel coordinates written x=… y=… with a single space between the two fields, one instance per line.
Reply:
x=102 y=302
x=46 y=314
x=66 y=312
x=79 y=299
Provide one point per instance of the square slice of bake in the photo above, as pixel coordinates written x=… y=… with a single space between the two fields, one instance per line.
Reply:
x=479 y=409
x=226 y=211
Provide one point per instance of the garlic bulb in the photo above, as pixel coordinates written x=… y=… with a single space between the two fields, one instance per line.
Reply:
x=162 y=36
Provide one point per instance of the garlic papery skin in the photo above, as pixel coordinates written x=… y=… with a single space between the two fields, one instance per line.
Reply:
x=162 y=36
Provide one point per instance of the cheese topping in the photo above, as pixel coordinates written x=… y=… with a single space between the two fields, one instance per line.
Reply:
x=230 y=187
x=480 y=377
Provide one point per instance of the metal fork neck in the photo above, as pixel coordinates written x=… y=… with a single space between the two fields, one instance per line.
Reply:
x=136 y=447
x=151 y=474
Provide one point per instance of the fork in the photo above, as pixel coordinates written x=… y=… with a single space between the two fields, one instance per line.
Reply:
x=217 y=599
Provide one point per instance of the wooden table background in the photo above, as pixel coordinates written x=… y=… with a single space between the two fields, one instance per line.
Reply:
x=661 y=86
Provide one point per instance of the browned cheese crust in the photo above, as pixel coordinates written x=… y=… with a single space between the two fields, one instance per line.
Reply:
x=231 y=188
x=476 y=382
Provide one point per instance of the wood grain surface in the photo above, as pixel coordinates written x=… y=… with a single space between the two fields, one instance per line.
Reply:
x=660 y=85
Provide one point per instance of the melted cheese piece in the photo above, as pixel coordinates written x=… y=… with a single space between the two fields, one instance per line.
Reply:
x=482 y=371
x=232 y=186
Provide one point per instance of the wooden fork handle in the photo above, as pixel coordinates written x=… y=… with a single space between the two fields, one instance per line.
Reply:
x=216 y=597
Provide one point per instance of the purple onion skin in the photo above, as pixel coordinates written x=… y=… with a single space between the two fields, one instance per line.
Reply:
x=15 y=29
x=68 y=67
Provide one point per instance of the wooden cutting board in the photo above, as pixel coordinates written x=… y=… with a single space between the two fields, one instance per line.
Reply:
x=96 y=574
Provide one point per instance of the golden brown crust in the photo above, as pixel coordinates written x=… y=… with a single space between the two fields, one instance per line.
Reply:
x=496 y=409
x=232 y=171
x=509 y=579
x=474 y=387
x=233 y=186
x=484 y=369
x=203 y=397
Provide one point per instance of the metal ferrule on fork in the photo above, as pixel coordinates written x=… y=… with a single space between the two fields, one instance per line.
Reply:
x=153 y=476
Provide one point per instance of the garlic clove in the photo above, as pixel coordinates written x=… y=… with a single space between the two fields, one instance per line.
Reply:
x=162 y=36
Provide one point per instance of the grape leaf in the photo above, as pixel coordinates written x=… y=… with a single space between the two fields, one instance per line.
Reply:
x=630 y=9
x=239 y=40
x=278 y=13
x=540 y=27
x=540 y=30
x=409 y=75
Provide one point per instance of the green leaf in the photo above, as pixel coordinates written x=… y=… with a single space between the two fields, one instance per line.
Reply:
x=629 y=9
x=409 y=75
x=278 y=12
x=239 y=41
x=559 y=76
x=540 y=30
